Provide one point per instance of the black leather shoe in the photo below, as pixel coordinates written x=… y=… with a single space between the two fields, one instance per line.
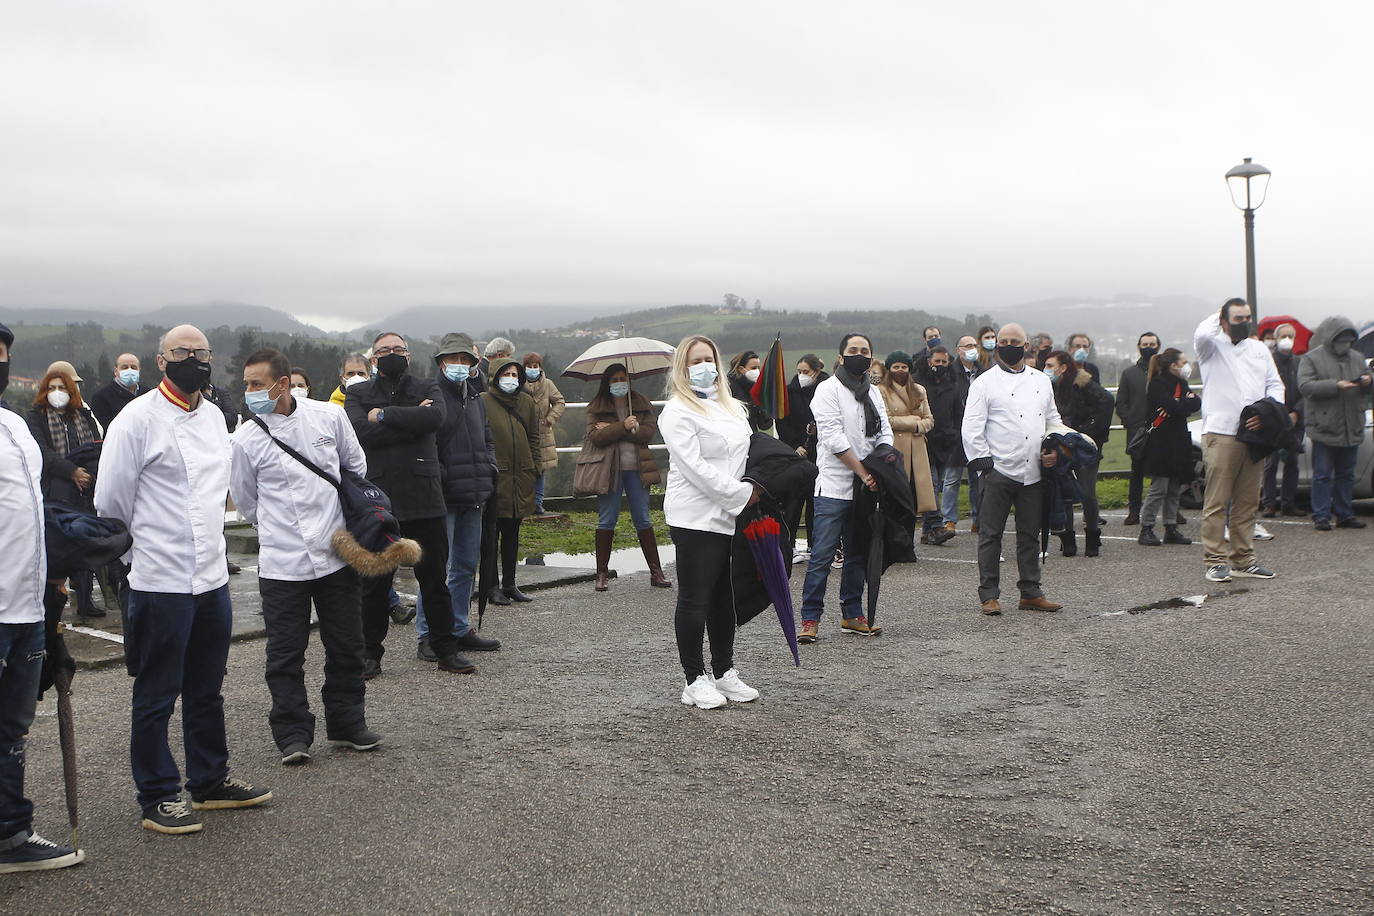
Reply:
x=497 y=596
x=454 y=663
x=425 y=652
x=1350 y=523
x=371 y=668
x=473 y=642
x=514 y=594
x=1322 y=525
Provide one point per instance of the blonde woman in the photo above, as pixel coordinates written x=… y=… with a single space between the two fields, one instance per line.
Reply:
x=707 y=433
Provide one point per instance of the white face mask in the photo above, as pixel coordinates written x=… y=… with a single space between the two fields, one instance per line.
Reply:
x=805 y=381
x=300 y=392
x=1285 y=344
x=353 y=380
x=508 y=384
x=1186 y=371
x=58 y=400
x=752 y=376
x=969 y=355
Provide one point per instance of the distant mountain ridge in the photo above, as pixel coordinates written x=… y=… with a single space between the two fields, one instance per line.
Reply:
x=203 y=315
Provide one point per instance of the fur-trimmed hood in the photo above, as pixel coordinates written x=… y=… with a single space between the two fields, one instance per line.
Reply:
x=400 y=552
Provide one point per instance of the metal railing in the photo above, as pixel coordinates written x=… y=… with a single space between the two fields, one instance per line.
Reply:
x=582 y=405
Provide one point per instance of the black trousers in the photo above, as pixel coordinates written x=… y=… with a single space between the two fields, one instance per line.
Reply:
x=1135 y=491
x=998 y=496
x=508 y=534
x=705 y=603
x=432 y=577
x=286 y=612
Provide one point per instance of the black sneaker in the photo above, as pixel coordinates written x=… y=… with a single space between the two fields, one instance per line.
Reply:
x=361 y=738
x=295 y=754
x=473 y=642
x=425 y=652
x=1350 y=523
x=38 y=854
x=232 y=793
x=1322 y=524
x=402 y=613
x=171 y=817
x=454 y=663
x=372 y=667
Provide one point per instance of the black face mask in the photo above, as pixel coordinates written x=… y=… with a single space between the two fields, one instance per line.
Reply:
x=1011 y=354
x=1149 y=352
x=1240 y=330
x=938 y=371
x=393 y=365
x=4 y=376
x=857 y=364
x=189 y=375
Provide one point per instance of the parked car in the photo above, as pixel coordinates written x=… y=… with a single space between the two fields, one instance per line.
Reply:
x=1191 y=498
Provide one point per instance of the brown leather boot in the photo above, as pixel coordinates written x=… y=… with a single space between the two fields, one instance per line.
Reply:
x=603 y=559
x=650 y=548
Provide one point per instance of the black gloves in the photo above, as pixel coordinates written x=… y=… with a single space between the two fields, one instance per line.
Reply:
x=981 y=465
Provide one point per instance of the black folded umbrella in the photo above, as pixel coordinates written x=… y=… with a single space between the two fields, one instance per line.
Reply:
x=486 y=564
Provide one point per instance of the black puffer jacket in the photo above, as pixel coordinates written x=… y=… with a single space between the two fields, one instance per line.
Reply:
x=402 y=457
x=1085 y=406
x=467 y=458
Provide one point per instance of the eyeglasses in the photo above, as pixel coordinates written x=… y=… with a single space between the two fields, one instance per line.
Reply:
x=387 y=351
x=201 y=353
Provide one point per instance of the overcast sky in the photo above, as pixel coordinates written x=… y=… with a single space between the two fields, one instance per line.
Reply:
x=352 y=159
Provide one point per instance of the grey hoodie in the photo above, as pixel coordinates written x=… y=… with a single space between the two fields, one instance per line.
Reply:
x=1334 y=417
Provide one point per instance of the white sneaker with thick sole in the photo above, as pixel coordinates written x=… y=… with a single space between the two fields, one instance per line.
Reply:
x=702 y=694
x=734 y=689
x=1262 y=533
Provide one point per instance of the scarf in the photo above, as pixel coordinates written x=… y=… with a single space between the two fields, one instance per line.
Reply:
x=860 y=388
x=59 y=434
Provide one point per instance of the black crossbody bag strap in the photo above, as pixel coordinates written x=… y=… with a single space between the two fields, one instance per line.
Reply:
x=295 y=454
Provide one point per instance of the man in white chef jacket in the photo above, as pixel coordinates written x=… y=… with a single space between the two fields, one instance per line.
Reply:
x=164 y=471
x=23 y=571
x=296 y=512
x=1009 y=412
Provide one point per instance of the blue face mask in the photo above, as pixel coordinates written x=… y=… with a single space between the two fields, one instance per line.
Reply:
x=456 y=372
x=1080 y=355
x=702 y=375
x=932 y=343
x=532 y=373
x=620 y=389
x=990 y=345
x=260 y=402
x=508 y=384
x=128 y=377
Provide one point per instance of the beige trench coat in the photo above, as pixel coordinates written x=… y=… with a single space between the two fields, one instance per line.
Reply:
x=908 y=410
x=548 y=407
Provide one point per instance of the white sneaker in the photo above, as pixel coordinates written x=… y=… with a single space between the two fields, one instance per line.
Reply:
x=1262 y=533
x=702 y=694
x=734 y=689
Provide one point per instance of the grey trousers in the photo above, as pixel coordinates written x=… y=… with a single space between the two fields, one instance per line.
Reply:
x=1164 y=491
x=999 y=495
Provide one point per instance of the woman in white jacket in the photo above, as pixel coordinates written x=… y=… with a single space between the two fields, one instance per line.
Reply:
x=707 y=435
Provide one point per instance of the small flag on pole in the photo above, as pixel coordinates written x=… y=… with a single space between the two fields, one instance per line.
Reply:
x=770 y=391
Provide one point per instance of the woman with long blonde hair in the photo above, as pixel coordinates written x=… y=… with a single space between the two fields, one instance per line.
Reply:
x=707 y=433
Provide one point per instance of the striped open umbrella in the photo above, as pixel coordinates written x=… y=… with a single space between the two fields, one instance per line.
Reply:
x=642 y=356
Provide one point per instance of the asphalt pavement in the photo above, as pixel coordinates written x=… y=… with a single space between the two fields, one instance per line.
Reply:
x=1132 y=754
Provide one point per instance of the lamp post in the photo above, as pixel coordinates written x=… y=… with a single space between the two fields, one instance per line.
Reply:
x=1249 y=182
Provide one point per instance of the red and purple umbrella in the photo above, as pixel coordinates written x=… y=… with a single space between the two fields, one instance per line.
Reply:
x=764 y=538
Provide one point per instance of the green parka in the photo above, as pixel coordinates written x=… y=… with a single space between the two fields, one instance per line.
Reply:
x=515 y=434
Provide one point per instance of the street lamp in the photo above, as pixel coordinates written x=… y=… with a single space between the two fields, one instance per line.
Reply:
x=1249 y=182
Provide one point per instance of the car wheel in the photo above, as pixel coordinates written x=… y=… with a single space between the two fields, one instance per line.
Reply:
x=1191 y=496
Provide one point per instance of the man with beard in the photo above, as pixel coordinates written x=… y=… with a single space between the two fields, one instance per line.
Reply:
x=396 y=416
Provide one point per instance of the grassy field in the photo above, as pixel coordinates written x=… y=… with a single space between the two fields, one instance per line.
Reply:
x=574 y=532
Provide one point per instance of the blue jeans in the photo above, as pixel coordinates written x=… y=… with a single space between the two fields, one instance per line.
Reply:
x=832 y=519
x=21 y=662
x=1333 y=481
x=949 y=493
x=539 y=492
x=464 y=552
x=608 y=504
x=181 y=645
